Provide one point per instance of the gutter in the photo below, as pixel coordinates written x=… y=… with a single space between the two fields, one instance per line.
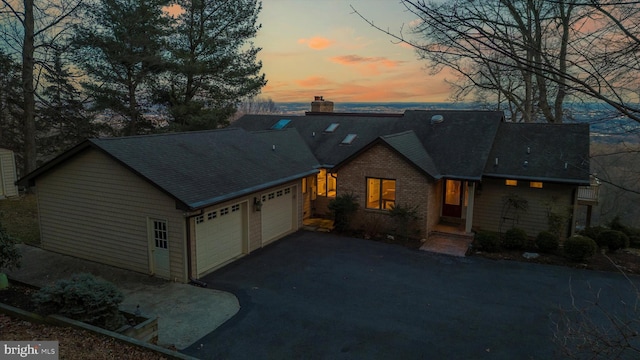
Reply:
x=543 y=179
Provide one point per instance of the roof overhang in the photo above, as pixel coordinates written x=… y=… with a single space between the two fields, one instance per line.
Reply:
x=542 y=179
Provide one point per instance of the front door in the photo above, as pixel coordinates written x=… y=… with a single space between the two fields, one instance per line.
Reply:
x=453 y=198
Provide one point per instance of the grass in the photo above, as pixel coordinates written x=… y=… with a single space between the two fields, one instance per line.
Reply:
x=20 y=218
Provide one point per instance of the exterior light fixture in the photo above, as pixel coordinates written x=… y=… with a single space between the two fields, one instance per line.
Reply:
x=257 y=204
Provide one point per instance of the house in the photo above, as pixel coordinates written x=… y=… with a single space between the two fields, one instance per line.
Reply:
x=7 y=174
x=177 y=206
x=468 y=168
x=182 y=205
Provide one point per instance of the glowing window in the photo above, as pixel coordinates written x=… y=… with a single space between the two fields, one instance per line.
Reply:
x=381 y=194
x=535 y=184
x=327 y=183
x=509 y=182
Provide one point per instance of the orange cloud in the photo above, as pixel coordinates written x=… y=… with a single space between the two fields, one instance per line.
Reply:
x=316 y=43
x=313 y=81
x=366 y=65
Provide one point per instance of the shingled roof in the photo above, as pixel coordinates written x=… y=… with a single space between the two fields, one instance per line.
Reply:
x=456 y=144
x=541 y=152
x=199 y=168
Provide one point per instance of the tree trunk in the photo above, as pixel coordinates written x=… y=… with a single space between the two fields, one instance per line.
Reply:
x=29 y=123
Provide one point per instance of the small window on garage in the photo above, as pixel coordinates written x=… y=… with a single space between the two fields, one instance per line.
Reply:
x=199 y=219
x=160 y=234
x=235 y=208
x=212 y=215
x=224 y=211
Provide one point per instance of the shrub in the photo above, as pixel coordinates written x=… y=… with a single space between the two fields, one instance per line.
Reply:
x=634 y=241
x=342 y=208
x=579 y=248
x=9 y=254
x=592 y=232
x=405 y=219
x=547 y=242
x=613 y=239
x=82 y=297
x=514 y=238
x=487 y=241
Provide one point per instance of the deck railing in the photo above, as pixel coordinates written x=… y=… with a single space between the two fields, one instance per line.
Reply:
x=589 y=194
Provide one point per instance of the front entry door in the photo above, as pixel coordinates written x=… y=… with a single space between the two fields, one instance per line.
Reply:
x=453 y=198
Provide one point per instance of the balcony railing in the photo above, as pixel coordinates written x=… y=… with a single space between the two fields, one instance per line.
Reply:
x=588 y=194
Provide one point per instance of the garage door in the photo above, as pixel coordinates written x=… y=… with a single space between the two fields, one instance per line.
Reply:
x=278 y=212
x=219 y=237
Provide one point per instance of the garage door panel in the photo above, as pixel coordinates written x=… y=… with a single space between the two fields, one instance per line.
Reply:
x=277 y=214
x=219 y=237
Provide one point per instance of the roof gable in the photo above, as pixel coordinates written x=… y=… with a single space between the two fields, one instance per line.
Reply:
x=409 y=146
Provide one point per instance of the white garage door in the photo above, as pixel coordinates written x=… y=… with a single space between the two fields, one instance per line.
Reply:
x=278 y=212
x=219 y=237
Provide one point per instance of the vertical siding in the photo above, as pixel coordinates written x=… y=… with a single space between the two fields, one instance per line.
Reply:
x=8 y=175
x=93 y=208
x=490 y=205
x=413 y=188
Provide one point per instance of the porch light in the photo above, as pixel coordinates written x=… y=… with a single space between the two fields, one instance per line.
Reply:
x=257 y=204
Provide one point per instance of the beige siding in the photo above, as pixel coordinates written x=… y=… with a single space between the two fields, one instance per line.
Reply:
x=413 y=188
x=491 y=213
x=8 y=174
x=93 y=208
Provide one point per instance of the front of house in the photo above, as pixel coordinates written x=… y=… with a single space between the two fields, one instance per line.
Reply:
x=179 y=206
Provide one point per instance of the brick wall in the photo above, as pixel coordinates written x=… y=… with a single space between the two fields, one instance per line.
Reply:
x=413 y=188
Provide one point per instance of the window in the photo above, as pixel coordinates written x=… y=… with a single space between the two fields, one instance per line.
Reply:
x=349 y=139
x=509 y=182
x=160 y=234
x=535 y=184
x=304 y=185
x=332 y=127
x=327 y=183
x=281 y=124
x=381 y=193
x=212 y=215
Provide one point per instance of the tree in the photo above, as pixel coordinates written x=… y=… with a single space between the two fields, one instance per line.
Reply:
x=119 y=45
x=64 y=120
x=10 y=104
x=557 y=49
x=32 y=31
x=213 y=63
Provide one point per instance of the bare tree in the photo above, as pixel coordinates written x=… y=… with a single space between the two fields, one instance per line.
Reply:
x=32 y=29
x=557 y=49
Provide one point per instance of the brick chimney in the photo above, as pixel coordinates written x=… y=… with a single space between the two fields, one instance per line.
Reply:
x=320 y=105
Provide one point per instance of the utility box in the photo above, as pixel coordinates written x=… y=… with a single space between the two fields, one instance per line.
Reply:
x=8 y=175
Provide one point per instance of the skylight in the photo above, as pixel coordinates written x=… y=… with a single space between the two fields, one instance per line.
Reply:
x=331 y=128
x=281 y=124
x=349 y=139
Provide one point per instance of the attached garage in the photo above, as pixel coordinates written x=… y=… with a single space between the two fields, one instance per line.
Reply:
x=220 y=237
x=279 y=212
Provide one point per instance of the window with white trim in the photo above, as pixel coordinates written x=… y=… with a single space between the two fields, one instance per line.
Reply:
x=160 y=234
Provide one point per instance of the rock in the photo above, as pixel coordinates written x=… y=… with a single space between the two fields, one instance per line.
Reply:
x=529 y=255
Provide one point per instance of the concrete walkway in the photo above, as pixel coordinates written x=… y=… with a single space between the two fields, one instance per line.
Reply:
x=185 y=313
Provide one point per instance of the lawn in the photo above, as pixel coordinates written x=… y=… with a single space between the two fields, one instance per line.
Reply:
x=19 y=216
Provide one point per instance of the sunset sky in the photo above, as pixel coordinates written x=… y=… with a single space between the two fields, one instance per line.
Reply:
x=322 y=48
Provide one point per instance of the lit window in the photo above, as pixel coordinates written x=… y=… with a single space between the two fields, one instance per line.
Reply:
x=327 y=183
x=304 y=185
x=509 y=182
x=535 y=184
x=331 y=128
x=381 y=193
x=281 y=124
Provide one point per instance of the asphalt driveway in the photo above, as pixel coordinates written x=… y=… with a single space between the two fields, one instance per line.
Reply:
x=321 y=296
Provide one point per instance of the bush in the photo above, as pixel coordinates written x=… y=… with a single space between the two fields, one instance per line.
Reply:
x=613 y=239
x=9 y=254
x=487 y=241
x=342 y=208
x=547 y=242
x=82 y=297
x=592 y=232
x=514 y=238
x=634 y=241
x=579 y=248
x=405 y=220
